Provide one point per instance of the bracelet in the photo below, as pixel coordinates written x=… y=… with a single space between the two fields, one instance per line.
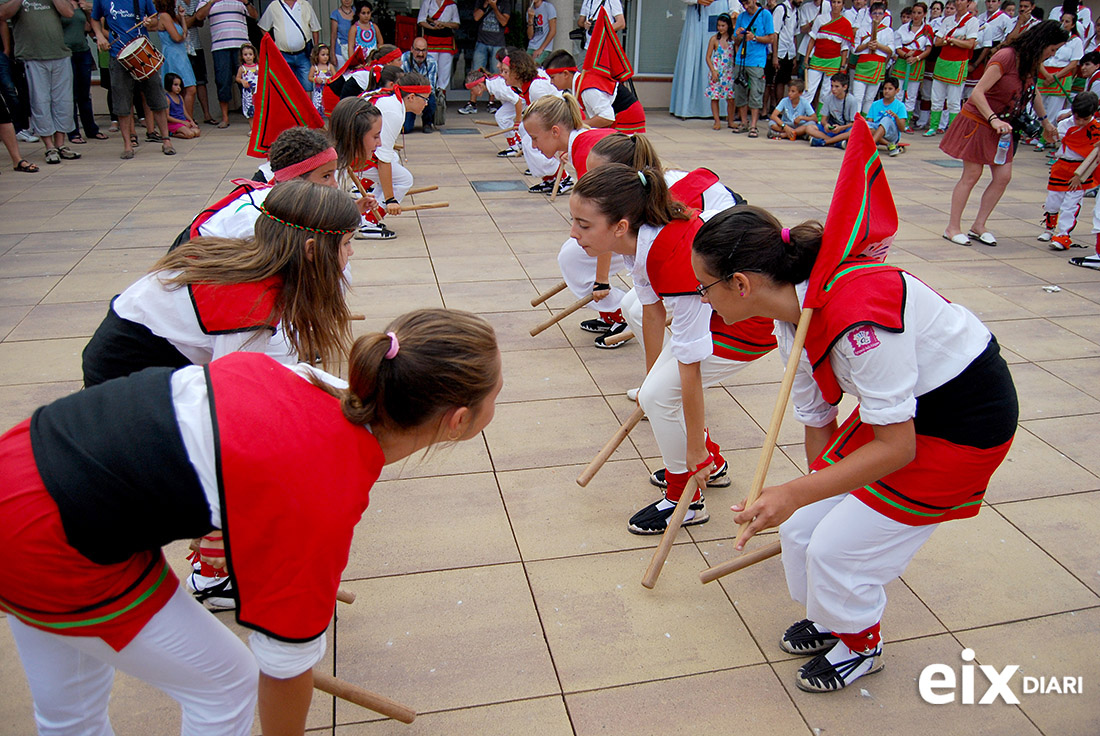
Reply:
x=391 y=200
x=600 y=287
x=991 y=116
x=1042 y=118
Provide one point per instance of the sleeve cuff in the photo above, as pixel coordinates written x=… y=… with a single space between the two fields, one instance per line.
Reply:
x=896 y=414
x=695 y=351
x=283 y=660
x=817 y=417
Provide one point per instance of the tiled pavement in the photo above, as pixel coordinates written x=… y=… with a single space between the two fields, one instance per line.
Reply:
x=496 y=596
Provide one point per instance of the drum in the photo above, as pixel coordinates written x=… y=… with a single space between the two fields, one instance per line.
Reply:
x=140 y=58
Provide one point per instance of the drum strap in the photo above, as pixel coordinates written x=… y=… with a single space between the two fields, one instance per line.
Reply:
x=137 y=20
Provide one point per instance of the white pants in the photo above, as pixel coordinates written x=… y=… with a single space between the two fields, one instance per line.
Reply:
x=951 y=94
x=660 y=395
x=402 y=182
x=839 y=554
x=445 y=62
x=912 y=91
x=578 y=269
x=813 y=81
x=1053 y=104
x=1067 y=205
x=865 y=94
x=183 y=650
x=540 y=165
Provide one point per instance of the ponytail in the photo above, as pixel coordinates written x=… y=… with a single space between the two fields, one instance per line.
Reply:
x=445 y=359
x=552 y=110
x=747 y=238
x=633 y=150
x=623 y=193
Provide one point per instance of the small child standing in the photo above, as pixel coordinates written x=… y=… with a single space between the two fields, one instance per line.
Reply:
x=320 y=73
x=248 y=76
x=720 y=63
x=1078 y=136
x=793 y=116
x=888 y=115
x=180 y=124
x=835 y=117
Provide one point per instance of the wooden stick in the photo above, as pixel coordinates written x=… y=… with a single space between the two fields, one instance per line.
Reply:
x=740 y=562
x=356 y=317
x=1084 y=171
x=399 y=146
x=548 y=293
x=380 y=212
x=362 y=697
x=421 y=190
x=485 y=122
x=766 y=451
x=345 y=596
x=557 y=181
x=425 y=206
x=502 y=131
x=561 y=315
x=593 y=467
x=657 y=562
x=626 y=335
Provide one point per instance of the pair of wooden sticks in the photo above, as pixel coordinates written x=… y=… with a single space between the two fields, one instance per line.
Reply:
x=406 y=208
x=541 y=298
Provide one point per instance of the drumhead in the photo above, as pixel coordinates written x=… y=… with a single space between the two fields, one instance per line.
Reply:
x=132 y=46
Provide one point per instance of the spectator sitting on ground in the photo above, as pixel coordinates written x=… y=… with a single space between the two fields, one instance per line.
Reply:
x=887 y=117
x=793 y=116
x=836 y=115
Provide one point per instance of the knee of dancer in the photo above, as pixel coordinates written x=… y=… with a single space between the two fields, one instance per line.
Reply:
x=657 y=397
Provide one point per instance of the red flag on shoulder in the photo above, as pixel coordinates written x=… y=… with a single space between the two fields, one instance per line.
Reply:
x=605 y=54
x=280 y=101
x=356 y=60
x=862 y=218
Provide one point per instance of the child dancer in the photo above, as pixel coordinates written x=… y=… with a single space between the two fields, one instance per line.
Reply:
x=248 y=75
x=720 y=64
x=180 y=124
x=604 y=102
x=84 y=584
x=914 y=44
x=532 y=84
x=479 y=82
x=320 y=73
x=831 y=40
x=936 y=417
x=1078 y=135
x=617 y=209
x=356 y=128
x=1061 y=68
x=874 y=47
x=956 y=38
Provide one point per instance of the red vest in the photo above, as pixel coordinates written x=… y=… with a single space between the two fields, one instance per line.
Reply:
x=291 y=495
x=244 y=186
x=878 y=300
x=583 y=144
x=227 y=308
x=629 y=113
x=689 y=190
x=668 y=268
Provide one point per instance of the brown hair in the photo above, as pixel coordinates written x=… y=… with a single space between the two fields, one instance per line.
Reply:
x=311 y=305
x=446 y=359
x=624 y=193
x=412 y=79
x=522 y=66
x=748 y=238
x=552 y=110
x=295 y=145
x=351 y=119
x=381 y=50
x=633 y=150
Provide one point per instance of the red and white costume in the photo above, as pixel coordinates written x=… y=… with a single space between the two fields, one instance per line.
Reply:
x=906 y=354
x=441 y=42
x=1063 y=204
x=83 y=580
x=506 y=113
x=601 y=96
x=540 y=165
x=865 y=91
x=393 y=120
x=661 y=271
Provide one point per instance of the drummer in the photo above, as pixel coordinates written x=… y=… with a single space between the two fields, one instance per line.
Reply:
x=117 y=18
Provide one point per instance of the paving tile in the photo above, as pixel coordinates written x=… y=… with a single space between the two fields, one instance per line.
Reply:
x=29 y=290
x=10 y=317
x=640 y=634
x=1064 y=526
x=48 y=321
x=41 y=361
x=1035 y=469
x=539 y=716
x=1083 y=373
x=1071 y=435
x=1040 y=339
x=1042 y=394
x=554 y=373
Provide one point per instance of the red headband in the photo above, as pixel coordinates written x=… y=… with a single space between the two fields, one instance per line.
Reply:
x=391 y=56
x=476 y=82
x=304 y=167
x=412 y=89
x=560 y=69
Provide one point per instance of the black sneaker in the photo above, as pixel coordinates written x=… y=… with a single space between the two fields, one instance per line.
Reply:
x=1092 y=262
x=543 y=187
x=566 y=186
x=493 y=107
x=527 y=172
x=596 y=325
x=618 y=329
x=375 y=232
x=653 y=519
x=509 y=153
x=718 y=479
x=805 y=638
x=819 y=675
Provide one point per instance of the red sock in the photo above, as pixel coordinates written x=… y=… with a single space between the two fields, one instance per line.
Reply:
x=676 y=484
x=863 y=641
x=714 y=450
x=1098 y=244
x=613 y=318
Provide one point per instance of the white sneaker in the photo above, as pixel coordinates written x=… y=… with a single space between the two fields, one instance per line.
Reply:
x=27 y=137
x=1045 y=236
x=217 y=594
x=632 y=394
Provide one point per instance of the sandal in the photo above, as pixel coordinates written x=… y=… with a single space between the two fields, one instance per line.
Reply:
x=738 y=128
x=67 y=153
x=153 y=137
x=166 y=149
x=26 y=167
x=805 y=638
x=210 y=121
x=133 y=140
x=100 y=136
x=52 y=156
x=224 y=124
x=114 y=127
x=77 y=140
x=754 y=133
x=126 y=155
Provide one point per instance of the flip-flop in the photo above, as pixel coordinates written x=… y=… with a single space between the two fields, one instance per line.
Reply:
x=986 y=238
x=77 y=140
x=223 y=125
x=210 y=121
x=126 y=155
x=101 y=137
x=959 y=239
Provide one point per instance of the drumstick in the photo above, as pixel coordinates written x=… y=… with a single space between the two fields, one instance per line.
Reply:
x=362 y=697
x=626 y=335
x=426 y=206
x=560 y=287
x=561 y=315
x=381 y=212
x=357 y=317
x=739 y=563
x=484 y=122
x=345 y=596
x=498 y=132
x=421 y=190
x=608 y=450
x=657 y=562
x=557 y=181
x=1084 y=171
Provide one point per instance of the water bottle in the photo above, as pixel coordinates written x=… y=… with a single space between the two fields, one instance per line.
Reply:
x=1003 y=144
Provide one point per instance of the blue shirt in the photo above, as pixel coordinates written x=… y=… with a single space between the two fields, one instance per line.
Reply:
x=429 y=68
x=787 y=114
x=879 y=109
x=343 y=28
x=755 y=52
x=118 y=16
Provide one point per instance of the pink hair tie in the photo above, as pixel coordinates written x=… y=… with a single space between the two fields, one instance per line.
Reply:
x=394 y=346
x=787 y=235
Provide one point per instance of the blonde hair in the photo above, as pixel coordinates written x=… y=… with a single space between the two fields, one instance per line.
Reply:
x=311 y=305
x=552 y=110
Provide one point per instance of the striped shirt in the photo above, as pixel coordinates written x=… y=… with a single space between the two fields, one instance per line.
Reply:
x=228 y=27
